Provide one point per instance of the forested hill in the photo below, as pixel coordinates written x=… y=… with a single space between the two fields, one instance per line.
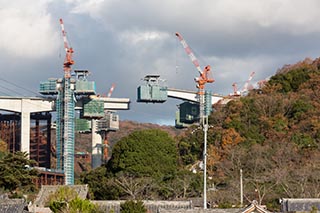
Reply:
x=273 y=135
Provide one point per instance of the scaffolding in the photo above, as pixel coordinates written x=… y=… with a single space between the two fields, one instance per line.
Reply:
x=59 y=130
x=65 y=130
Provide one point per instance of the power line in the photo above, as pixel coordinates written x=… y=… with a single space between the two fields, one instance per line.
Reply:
x=18 y=86
x=11 y=90
x=17 y=93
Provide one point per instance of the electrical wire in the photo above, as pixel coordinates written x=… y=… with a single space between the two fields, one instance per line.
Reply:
x=10 y=90
x=20 y=87
x=18 y=93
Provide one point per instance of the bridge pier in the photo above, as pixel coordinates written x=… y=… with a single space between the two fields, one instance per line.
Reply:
x=25 y=131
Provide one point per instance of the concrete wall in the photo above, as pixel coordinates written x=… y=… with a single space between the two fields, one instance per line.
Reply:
x=161 y=207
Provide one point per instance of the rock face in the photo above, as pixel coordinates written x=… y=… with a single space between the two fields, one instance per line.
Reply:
x=46 y=191
x=11 y=205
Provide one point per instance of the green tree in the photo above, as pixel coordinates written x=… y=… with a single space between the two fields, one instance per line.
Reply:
x=132 y=206
x=144 y=153
x=190 y=147
x=292 y=80
x=101 y=186
x=15 y=172
x=143 y=166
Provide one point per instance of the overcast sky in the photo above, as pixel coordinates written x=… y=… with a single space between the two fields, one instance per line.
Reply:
x=120 y=41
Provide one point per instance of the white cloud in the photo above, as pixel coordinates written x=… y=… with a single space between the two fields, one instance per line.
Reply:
x=26 y=29
x=136 y=37
x=86 y=6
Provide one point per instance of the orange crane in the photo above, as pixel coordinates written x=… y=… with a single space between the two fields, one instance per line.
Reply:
x=68 y=61
x=204 y=75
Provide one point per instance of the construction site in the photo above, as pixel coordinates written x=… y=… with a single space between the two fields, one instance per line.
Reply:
x=45 y=127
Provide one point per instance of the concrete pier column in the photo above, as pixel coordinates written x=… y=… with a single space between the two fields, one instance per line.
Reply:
x=96 y=155
x=25 y=126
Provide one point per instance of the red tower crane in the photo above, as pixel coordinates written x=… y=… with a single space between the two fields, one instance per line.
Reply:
x=105 y=133
x=245 y=87
x=111 y=90
x=204 y=76
x=68 y=61
x=201 y=82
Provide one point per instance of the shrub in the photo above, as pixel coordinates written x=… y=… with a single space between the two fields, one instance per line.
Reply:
x=132 y=206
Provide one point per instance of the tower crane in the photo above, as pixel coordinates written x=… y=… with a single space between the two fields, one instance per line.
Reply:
x=201 y=82
x=111 y=90
x=203 y=74
x=196 y=103
x=66 y=116
x=105 y=133
x=245 y=87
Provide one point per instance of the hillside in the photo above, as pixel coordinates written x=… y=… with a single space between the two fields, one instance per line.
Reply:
x=273 y=135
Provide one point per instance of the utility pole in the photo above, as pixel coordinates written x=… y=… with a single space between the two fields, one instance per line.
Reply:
x=205 y=130
x=241 y=189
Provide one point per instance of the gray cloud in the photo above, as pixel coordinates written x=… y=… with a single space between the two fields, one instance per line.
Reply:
x=121 y=41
